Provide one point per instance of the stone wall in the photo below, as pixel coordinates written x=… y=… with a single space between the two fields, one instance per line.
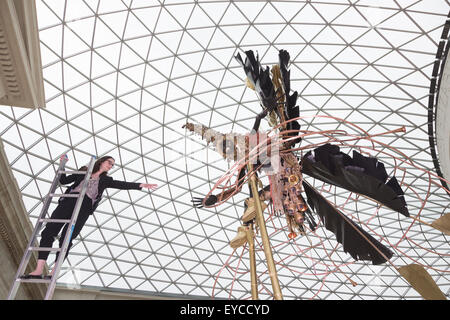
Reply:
x=15 y=231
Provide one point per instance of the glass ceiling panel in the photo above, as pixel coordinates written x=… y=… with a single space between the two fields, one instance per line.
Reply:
x=122 y=77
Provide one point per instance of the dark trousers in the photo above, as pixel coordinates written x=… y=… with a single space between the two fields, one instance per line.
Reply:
x=64 y=210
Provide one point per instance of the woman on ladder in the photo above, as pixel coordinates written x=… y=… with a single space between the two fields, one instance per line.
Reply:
x=98 y=182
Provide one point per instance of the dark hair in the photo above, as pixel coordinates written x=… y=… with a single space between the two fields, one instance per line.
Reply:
x=97 y=165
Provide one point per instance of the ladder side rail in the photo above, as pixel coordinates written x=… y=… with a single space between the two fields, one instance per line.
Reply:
x=27 y=254
x=68 y=236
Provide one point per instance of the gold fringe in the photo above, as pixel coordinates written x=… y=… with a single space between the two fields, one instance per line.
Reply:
x=273 y=121
x=278 y=85
x=249 y=84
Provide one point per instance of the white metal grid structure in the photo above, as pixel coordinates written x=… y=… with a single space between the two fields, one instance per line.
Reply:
x=123 y=76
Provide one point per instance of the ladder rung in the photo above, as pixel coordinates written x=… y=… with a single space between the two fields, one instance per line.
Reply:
x=65 y=195
x=43 y=280
x=55 y=220
x=43 y=249
x=72 y=172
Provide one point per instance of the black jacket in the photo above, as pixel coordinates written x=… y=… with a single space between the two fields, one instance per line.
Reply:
x=104 y=182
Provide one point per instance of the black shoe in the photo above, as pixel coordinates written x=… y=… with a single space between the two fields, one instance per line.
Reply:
x=31 y=276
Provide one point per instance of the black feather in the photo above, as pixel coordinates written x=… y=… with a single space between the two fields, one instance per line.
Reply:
x=283 y=58
x=260 y=78
x=360 y=174
x=355 y=241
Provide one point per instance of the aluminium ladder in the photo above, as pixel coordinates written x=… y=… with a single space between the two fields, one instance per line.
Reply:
x=51 y=281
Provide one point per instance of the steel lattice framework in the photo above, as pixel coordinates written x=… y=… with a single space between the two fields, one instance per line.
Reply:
x=123 y=76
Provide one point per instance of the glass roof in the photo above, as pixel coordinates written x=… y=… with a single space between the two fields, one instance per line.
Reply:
x=123 y=76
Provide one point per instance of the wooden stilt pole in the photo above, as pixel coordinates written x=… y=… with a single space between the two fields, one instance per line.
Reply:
x=421 y=221
x=442 y=224
x=251 y=251
x=265 y=237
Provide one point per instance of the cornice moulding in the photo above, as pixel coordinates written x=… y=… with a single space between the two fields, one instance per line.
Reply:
x=21 y=82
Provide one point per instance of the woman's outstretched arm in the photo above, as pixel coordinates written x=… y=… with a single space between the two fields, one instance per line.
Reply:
x=149 y=186
x=123 y=185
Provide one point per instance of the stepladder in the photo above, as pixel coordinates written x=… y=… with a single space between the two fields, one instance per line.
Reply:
x=32 y=245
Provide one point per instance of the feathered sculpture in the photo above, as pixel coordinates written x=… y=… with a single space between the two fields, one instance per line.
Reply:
x=359 y=174
x=288 y=190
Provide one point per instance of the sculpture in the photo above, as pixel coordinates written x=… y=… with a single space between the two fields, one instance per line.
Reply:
x=276 y=154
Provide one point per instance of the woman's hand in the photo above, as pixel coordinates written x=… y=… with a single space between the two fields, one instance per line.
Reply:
x=64 y=157
x=152 y=187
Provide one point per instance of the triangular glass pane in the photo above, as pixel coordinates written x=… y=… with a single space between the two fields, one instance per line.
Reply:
x=111 y=6
x=202 y=35
x=51 y=10
x=268 y=14
x=182 y=12
x=103 y=35
x=349 y=33
x=308 y=15
x=220 y=40
x=232 y=16
x=128 y=57
x=166 y=23
x=303 y=33
x=116 y=21
x=148 y=15
x=158 y=50
x=136 y=28
x=349 y=55
x=377 y=16
x=214 y=11
x=351 y=17
x=236 y=33
x=398 y=38
x=52 y=38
